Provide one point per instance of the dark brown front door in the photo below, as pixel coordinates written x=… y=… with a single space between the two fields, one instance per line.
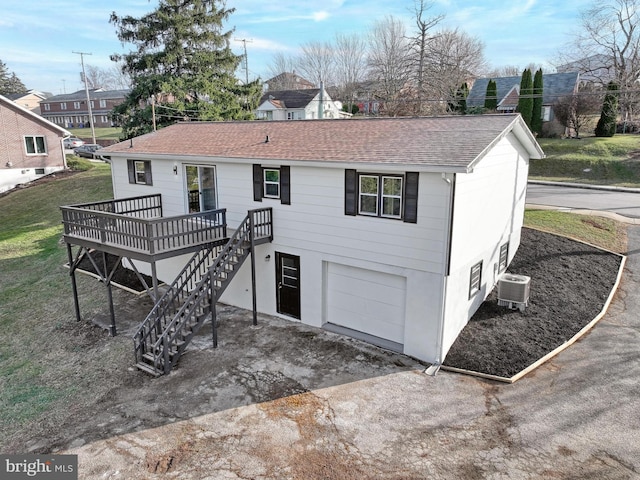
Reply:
x=288 y=284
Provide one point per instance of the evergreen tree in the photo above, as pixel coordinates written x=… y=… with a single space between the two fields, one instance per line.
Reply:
x=458 y=104
x=536 y=115
x=491 y=96
x=184 y=64
x=9 y=82
x=525 y=102
x=606 y=126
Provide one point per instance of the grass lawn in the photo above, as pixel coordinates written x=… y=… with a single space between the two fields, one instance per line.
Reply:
x=102 y=133
x=603 y=161
x=39 y=352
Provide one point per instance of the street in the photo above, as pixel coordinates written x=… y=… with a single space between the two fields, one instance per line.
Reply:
x=623 y=202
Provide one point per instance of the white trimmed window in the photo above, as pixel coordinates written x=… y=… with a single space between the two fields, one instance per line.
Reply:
x=271 y=182
x=139 y=172
x=103 y=103
x=63 y=106
x=35 y=145
x=76 y=105
x=380 y=195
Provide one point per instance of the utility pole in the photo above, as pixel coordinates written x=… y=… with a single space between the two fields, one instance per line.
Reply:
x=246 y=59
x=86 y=91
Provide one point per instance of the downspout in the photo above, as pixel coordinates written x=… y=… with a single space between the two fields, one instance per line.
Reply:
x=433 y=369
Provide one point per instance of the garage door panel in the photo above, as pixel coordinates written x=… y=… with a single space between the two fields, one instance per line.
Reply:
x=367 y=301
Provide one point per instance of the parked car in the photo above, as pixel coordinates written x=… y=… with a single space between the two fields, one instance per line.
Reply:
x=88 y=150
x=72 y=142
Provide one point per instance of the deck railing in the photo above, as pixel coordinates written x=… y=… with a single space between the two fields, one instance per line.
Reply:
x=136 y=224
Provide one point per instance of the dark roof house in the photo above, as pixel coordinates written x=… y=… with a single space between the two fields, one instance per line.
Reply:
x=555 y=86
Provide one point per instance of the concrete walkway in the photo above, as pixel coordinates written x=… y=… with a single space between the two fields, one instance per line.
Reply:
x=574 y=417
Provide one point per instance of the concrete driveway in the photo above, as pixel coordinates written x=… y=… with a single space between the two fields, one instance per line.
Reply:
x=574 y=417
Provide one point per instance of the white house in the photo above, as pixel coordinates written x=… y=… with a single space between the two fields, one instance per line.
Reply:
x=392 y=230
x=30 y=146
x=304 y=104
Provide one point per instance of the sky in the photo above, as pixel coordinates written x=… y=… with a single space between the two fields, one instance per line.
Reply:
x=38 y=38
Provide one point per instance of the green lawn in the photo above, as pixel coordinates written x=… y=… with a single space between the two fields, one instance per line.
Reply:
x=592 y=160
x=35 y=295
x=112 y=133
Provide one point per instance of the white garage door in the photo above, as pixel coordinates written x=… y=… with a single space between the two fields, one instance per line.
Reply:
x=367 y=301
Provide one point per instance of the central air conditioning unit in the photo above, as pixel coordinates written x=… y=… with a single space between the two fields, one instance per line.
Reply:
x=513 y=291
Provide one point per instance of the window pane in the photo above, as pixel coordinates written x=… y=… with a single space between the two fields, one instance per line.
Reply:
x=391 y=206
x=31 y=148
x=40 y=145
x=392 y=186
x=272 y=189
x=272 y=176
x=369 y=204
x=368 y=184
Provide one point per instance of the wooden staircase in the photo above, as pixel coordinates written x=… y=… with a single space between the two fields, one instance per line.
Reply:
x=190 y=300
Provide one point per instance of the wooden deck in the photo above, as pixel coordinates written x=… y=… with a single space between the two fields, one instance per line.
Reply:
x=135 y=228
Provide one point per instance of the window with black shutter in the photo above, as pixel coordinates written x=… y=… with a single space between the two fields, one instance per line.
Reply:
x=272 y=182
x=139 y=172
x=381 y=195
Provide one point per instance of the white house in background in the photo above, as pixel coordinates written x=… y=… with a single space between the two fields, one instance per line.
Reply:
x=304 y=104
x=30 y=146
x=392 y=230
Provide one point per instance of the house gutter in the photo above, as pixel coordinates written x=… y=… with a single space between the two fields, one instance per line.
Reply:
x=435 y=366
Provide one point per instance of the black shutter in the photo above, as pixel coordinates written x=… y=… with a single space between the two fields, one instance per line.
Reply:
x=147 y=173
x=258 y=185
x=411 y=197
x=285 y=185
x=350 y=192
x=131 y=167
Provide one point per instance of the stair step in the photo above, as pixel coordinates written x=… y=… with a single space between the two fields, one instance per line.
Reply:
x=145 y=367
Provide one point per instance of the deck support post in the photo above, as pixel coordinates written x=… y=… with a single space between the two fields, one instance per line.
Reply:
x=214 y=322
x=253 y=268
x=154 y=277
x=107 y=281
x=74 y=286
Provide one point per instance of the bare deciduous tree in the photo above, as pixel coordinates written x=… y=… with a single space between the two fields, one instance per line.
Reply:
x=282 y=63
x=350 y=65
x=389 y=63
x=607 y=47
x=420 y=46
x=316 y=62
x=107 y=78
x=576 y=111
x=453 y=57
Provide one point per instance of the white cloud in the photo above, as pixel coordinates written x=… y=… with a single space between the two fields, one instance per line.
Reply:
x=320 y=16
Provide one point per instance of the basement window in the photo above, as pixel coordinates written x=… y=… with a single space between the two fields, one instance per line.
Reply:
x=475 y=279
x=504 y=257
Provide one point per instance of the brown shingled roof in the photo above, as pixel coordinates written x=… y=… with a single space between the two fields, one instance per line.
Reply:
x=451 y=141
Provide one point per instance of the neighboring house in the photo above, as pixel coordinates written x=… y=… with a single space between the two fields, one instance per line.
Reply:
x=554 y=86
x=307 y=104
x=30 y=146
x=598 y=69
x=392 y=230
x=288 y=81
x=30 y=100
x=71 y=111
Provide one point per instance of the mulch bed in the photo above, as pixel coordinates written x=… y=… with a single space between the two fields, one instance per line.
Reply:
x=570 y=283
x=122 y=276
